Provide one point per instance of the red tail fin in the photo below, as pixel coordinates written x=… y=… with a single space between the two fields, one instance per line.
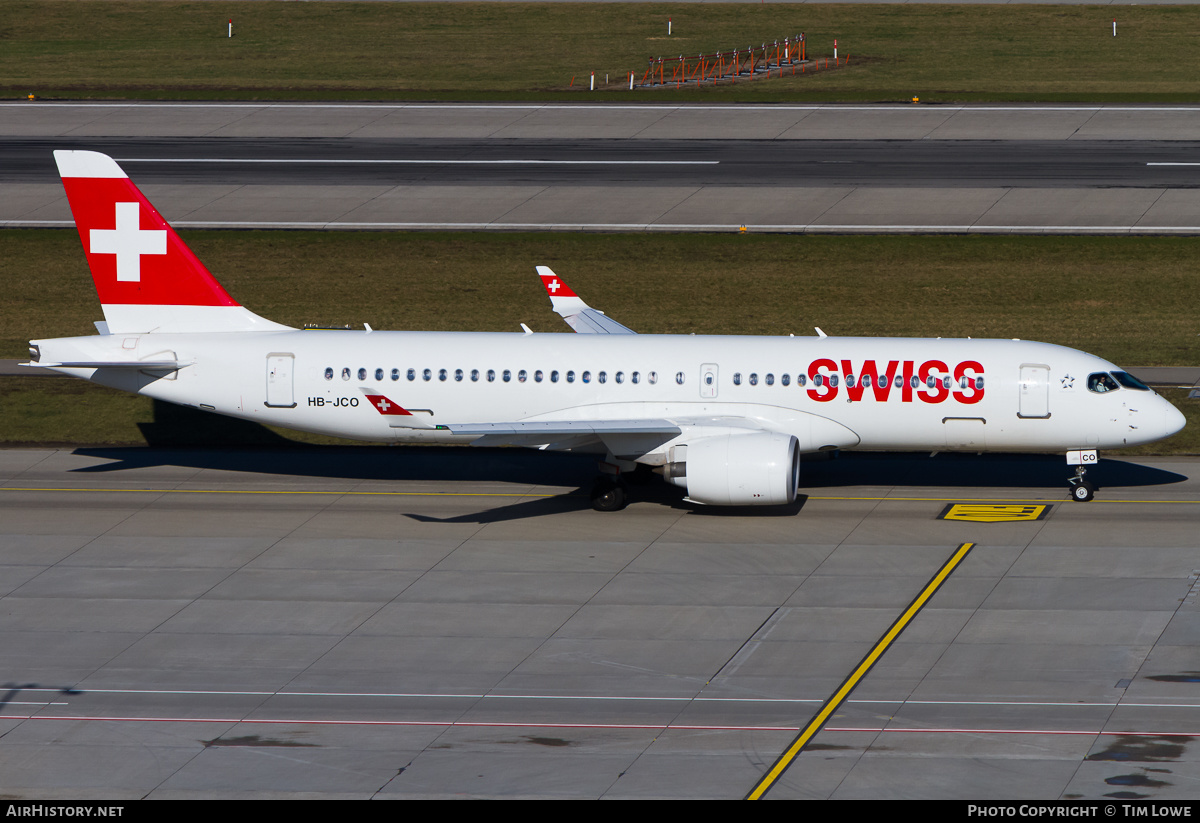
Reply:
x=137 y=260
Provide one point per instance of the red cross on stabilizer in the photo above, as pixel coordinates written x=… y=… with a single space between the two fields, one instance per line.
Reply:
x=385 y=406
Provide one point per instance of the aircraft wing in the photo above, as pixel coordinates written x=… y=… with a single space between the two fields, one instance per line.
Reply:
x=569 y=427
x=566 y=434
x=578 y=314
x=139 y=365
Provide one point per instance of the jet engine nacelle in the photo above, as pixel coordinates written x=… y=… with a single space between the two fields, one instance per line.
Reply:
x=740 y=469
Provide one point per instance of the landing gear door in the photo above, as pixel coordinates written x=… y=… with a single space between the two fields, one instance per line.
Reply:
x=1035 y=391
x=708 y=380
x=279 y=381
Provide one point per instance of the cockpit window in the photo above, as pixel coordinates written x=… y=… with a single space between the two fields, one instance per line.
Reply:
x=1129 y=381
x=1101 y=383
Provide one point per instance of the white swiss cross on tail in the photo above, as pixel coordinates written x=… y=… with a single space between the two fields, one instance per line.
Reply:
x=128 y=241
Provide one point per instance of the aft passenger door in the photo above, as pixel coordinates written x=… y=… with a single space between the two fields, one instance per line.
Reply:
x=279 y=380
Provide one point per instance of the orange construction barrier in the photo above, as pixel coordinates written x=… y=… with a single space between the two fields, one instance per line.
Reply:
x=723 y=65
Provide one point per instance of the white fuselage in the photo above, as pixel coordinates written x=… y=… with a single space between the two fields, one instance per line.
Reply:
x=936 y=394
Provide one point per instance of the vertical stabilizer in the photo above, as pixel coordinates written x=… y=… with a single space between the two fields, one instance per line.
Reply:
x=146 y=276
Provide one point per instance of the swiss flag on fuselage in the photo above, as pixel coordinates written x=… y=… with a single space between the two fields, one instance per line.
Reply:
x=385 y=406
x=134 y=255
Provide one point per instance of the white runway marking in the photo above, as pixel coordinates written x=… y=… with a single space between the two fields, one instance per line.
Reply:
x=602 y=106
x=809 y=228
x=544 y=725
x=430 y=162
x=626 y=698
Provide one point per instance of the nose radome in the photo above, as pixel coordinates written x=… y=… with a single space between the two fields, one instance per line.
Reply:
x=1171 y=419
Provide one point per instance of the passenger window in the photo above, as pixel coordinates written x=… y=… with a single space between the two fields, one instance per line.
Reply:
x=346 y=373
x=570 y=377
x=491 y=375
x=586 y=377
x=679 y=378
x=979 y=382
x=474 y=375
x=801 y=380
x=602 y=377
x=427 y=375
x=737 y=378
x=395 y=375
x=633 y=378
x=554 y=376
x=521 y=376
x=620 y=377
x=770 y=379
x=753 y=378
x=412 y=374
x=899 y=382
x=379 y=374
x=785 y=379
x=329 y=373
x=1101 y=383
x=833 y=380
x=442 y=375
x=458 y=375
x=818 y=380
x=866 y=381
x=652 y=377
x=362 y=374
x=507 y=376
x=537 y=376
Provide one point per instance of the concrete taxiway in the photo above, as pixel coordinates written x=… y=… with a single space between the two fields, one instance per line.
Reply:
x=882 y=195
x=459 y=623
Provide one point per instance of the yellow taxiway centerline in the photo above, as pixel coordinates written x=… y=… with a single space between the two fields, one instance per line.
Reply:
x=831 y=705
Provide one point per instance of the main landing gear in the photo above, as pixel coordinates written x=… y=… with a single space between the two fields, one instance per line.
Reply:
x=1081 y=489
x=609 y=494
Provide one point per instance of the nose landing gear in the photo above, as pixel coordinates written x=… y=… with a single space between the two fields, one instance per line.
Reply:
x=1081 y=490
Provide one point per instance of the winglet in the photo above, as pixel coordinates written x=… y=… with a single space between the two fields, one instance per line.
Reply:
x=570 y=306
x=554 y=286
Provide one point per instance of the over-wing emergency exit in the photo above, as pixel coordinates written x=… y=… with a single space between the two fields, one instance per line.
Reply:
x=727 y=418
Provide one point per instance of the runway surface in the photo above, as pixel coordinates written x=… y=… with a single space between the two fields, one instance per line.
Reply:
x=458 y=623
x=636 y=167
x=624 y=162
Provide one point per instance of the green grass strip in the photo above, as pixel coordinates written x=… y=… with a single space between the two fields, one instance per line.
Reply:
x=531 y=51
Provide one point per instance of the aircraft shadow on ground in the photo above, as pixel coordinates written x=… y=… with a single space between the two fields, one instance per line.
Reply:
x=185 y=437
